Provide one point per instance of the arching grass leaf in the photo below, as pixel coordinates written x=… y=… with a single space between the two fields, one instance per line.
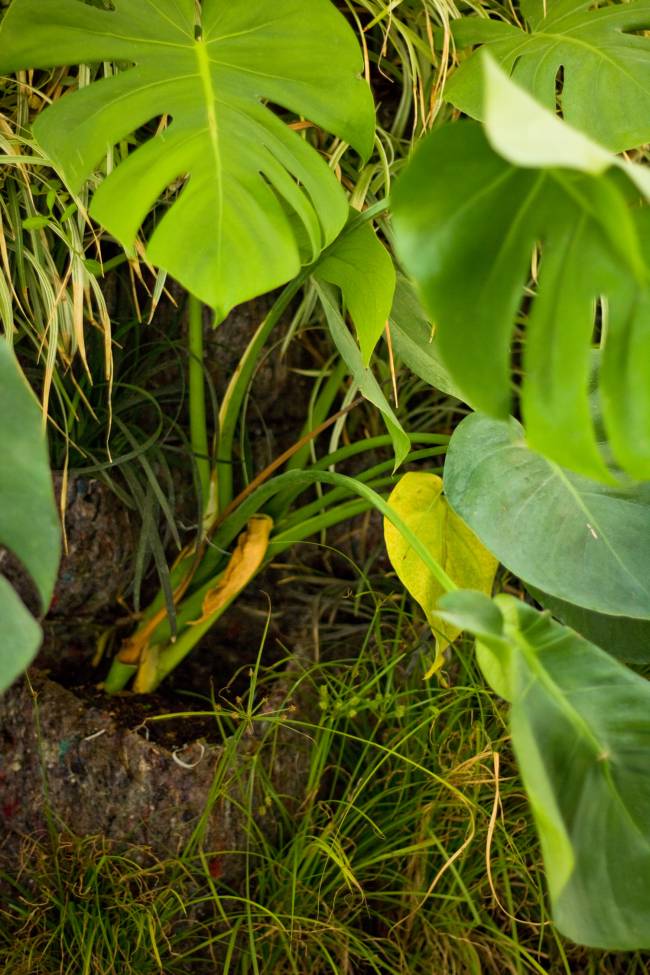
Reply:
x=564 y=534
x=580 y=724
x=29 y=524
x=601 y=51
x=362 y=374
x=259 y=200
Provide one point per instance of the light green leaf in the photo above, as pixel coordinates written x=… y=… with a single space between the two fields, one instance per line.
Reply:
x=605 y=65
x=362 y=375
x=259 y=201
x=628 y=639
x=29 y=524
x=359 y=264
x=525 y=133
x=418 y=500
x=467 y=223
x=580 y=725
x=568 y=536
x=414 y=340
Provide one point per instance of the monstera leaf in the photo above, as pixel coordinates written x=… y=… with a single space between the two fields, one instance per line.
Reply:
x=258 y=200
x=572 y=538
x=602 y=54
x=29 y=525
x=468 y=220
x=580 y=724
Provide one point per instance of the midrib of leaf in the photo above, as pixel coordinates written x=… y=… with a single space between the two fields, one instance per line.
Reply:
x=575 y=719
x=210 y=96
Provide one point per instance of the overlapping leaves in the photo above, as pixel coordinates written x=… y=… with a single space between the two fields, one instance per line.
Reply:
x=575 y=539
x=580 y=724
x=468 y=224
x=601 y=52
x=259 y=200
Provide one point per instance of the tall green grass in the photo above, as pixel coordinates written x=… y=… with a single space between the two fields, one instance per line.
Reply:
x=410 y=849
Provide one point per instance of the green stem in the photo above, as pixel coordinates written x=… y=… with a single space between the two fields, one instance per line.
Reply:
x=198 y=421
x=231 y=406
x=230 y=411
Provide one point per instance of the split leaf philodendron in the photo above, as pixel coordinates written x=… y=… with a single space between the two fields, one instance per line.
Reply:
x=29 y=523
x=259 y=201
x=580 y=724
x=418 y=499
x=468 y=221
x=603 y=54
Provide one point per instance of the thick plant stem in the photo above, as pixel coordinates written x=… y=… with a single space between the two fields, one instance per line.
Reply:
x=198 y=422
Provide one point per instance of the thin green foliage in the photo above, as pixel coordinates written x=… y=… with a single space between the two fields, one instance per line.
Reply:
x=409 y=850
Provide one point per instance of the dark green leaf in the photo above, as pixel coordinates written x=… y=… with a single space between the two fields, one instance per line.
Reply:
x=580 y=725
x=626 y=638
x=29 y=524
x=569 y=536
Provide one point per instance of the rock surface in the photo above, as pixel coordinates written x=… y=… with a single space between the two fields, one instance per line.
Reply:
x=74 y=764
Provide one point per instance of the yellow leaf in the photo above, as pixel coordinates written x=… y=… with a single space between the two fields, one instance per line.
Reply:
x=244 y=563
x=418 y=499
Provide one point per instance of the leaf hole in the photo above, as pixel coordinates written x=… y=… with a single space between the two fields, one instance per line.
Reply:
x=100 y=4
x=559 y=88
x=198 y=32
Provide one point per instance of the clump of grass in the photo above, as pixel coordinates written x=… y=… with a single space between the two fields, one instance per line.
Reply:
x=79 y=907
x=411 y=850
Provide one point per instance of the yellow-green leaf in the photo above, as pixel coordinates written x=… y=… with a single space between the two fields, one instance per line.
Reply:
x=419 y=500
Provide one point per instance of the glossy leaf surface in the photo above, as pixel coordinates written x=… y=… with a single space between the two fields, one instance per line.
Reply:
x=258 y=201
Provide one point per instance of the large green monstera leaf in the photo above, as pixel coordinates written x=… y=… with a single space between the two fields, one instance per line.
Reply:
x=604 y=59
x=29 y=524
x=470 y=211
x=258 y=201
